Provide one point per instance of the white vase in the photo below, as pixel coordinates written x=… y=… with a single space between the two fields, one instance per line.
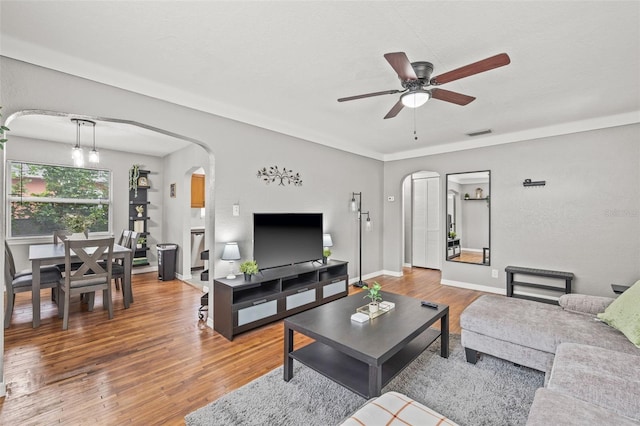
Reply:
x=373 y=308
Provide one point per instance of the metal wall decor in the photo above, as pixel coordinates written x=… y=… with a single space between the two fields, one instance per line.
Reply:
x=283 y=176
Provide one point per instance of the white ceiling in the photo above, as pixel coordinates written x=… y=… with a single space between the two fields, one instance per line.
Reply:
x=282 y=65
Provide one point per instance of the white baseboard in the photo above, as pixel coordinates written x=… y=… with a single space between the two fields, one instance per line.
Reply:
x=392 y=273
x=143 y=270
x=185 y=277
x=477 y=287
x=406 y=265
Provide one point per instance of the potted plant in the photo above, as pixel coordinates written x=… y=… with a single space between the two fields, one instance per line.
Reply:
x=78 y=225
x=452 y=235
x=134 y=174
x=140 y=242
x=325 y=255
x=140 y=210
x=3 y=129
x=373 y=293
x=466 y=196
x=248 y=268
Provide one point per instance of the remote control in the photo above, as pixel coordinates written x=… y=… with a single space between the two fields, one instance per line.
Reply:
x=429 y=304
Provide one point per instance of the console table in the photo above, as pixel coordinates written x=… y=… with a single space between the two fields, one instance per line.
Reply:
x=512 y=270
x=240 y=305
x=453 y=248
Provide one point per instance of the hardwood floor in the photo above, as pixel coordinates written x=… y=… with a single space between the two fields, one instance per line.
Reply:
x=153 y=363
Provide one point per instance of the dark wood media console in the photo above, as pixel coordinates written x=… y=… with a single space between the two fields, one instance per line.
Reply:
x=240 y=305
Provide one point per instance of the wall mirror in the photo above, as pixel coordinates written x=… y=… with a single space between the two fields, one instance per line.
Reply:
x=468 y=227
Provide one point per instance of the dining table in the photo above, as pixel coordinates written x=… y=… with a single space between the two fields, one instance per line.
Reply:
x=53 y=254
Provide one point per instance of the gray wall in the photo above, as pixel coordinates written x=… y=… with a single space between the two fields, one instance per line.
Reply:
x=585 y=220
x=474 y=218
x=236 y=152
x=118 y=163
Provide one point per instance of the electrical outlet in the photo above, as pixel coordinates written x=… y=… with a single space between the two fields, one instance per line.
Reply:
x=236 y=209
x=494 y=273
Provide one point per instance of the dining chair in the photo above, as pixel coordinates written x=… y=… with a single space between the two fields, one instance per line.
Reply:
x=118 y=264
x=59 y=235
x=18 y=282
x=90 y=277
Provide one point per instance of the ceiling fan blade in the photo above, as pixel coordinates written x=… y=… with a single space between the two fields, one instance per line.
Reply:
x=368 y=95
x=400 y=63
x=496 y=61
x=395 y=110
x=453 y=97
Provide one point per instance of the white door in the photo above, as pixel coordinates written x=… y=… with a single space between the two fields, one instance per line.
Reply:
x=426 y=223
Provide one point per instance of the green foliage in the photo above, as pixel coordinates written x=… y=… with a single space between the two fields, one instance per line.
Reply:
x=326 y=252
x=71 y=183
x=3 y=129
x=452 y=235
x=77 y=223
x=134 y=174
x=249 y=267
x=373 y=292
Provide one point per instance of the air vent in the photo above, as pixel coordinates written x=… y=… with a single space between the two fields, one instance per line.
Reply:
x=480 y=132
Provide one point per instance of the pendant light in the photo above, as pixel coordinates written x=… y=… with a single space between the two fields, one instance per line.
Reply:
x=77 y=154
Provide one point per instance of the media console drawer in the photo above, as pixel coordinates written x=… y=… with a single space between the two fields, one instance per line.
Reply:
x=301 y=298
x=257 y=312
x=334 y=288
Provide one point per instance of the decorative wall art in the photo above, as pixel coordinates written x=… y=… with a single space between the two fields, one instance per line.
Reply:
x=283 y=176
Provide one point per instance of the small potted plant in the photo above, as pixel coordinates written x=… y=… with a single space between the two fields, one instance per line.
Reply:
x=452 y=235
x=373 y=293
x=134 y=174
x=78 y=225
x=325 y=255
x=140 y=210
x=248 y=268
x=140 y=242
x=466 y=196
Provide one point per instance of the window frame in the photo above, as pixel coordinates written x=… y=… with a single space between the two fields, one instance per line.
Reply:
x=11 y=198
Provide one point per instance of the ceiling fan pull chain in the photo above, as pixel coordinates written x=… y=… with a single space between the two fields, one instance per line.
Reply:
x=415 y=137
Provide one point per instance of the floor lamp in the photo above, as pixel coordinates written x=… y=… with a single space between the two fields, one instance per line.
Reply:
x=357 y=207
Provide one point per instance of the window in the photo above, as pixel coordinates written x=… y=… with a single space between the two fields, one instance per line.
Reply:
x=42 y=195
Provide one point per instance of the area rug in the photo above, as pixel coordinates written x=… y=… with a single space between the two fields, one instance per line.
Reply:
x=491 y=392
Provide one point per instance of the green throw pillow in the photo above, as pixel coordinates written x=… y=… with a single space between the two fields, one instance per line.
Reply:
x=624 y=314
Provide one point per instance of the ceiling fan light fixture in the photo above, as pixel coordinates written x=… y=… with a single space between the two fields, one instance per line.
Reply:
x=415 y=98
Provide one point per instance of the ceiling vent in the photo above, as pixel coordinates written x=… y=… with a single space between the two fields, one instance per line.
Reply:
x=480 y=132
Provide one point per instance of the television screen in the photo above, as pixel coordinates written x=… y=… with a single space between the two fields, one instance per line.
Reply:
x=281 y=239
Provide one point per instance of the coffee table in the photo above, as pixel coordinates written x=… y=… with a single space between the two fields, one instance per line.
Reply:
x=364 y=357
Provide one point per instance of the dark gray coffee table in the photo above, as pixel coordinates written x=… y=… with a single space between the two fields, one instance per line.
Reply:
x=364 y=357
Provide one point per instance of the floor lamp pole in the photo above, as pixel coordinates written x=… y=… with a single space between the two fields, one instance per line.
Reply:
x=360 y=283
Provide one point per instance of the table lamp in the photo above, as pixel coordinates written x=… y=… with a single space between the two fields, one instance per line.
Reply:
x=230 y=253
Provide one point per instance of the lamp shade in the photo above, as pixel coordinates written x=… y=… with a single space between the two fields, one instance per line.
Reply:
x=231 y=252
x=326 y=240
x=415 y=98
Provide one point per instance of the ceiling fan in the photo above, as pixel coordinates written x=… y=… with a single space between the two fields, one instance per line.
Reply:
x=415 y=78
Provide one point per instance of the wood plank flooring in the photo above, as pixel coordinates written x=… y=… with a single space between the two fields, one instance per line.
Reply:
x=153 y=363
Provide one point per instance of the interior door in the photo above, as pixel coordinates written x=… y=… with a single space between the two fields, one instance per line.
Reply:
x=426 y=223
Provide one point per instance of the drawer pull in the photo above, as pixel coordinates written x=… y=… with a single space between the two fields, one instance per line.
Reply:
x=302 y=290
x=259 y=302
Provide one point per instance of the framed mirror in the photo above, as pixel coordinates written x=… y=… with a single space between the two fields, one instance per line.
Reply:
x=468 y=221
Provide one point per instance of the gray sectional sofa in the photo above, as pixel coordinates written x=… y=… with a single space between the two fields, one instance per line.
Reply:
x=592 y=370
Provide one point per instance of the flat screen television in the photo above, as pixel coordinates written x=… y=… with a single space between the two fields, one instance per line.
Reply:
x=281 y=239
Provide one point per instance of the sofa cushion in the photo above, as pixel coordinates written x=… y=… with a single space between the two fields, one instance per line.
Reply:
x=584 y=304
x=600 y=376
x=624 y=314
x=554 y=408
x=538 y=325
x=393 y=408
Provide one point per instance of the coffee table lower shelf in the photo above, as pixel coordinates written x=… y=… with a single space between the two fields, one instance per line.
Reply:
x=354 y=374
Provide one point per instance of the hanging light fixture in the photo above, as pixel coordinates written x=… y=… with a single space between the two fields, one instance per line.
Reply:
x=77 y=154
x=94 y=155
x=415 y=98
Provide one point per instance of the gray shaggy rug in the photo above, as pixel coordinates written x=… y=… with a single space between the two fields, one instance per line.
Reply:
x=492 y=392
